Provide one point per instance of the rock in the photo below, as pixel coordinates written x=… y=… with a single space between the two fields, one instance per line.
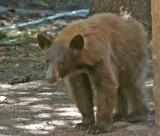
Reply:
x=120 y=124
x=135 y=128
x=3 y=99
x=22 y=79
x=140 y=130
x=151 y=119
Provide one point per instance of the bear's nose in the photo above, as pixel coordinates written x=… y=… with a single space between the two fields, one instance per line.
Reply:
x=50 y=81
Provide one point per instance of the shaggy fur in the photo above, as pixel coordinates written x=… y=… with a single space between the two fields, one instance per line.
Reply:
x=108 y=54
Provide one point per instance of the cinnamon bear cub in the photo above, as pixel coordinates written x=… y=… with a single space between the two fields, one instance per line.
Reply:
x=108 y=54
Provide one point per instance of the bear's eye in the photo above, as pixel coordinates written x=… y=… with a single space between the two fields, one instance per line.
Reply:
x=47 y=61
x=61 y=63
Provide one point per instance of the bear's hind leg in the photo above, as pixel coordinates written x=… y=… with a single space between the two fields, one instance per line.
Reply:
x=133 y=82
x=136 y=101
x=121 y=108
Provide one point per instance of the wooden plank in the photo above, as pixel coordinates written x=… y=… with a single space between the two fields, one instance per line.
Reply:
x=155 y=9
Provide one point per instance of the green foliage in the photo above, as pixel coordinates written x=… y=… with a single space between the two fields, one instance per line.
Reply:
x=27 y=48
x=62 y=2
x=59 y=3
x=72 y=1
x=39 y=1
x=6 y=37
x=2 y=35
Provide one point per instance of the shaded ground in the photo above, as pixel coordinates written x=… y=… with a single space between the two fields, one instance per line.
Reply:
x=54 y=5
x=35 y=107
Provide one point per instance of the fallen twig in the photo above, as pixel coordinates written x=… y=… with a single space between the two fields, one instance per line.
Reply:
x=5 y=43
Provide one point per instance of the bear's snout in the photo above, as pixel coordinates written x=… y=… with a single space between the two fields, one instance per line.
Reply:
x=52 y=77
x=50 y=81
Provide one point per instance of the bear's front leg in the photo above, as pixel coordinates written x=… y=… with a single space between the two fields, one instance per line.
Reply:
x=106 y=87
x=81 y=93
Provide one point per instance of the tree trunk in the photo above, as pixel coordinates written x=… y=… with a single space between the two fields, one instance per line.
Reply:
x=138 y=9
x=155 y=6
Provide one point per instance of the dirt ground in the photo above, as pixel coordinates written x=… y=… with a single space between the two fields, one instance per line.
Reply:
x=35 y=107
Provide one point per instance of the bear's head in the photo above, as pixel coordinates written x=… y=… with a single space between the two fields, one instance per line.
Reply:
x=60 y=56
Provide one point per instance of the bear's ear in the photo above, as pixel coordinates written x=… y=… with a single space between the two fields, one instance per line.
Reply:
x=77 y=43
x=43 y=42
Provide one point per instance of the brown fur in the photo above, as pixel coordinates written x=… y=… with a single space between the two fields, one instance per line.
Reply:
x=107 y=53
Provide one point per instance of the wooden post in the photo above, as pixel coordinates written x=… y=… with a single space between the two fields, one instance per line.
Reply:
x=155 y=11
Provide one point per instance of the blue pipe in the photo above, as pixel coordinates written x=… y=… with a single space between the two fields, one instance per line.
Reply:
x=81 y=11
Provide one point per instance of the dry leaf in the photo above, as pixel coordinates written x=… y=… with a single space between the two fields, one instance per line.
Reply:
x=44 y=4
x=2 y=49
x=3 y=67
x=3 y=99
x=22 y=39
x=24 y=55
x=34 y=14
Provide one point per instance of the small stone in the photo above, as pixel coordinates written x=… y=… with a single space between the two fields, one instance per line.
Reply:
x=137 y=128
x=150 y=118
x=3 y=99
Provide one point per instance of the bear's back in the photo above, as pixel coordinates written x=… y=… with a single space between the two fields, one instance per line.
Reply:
x=108 y=26
x=107 y=34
